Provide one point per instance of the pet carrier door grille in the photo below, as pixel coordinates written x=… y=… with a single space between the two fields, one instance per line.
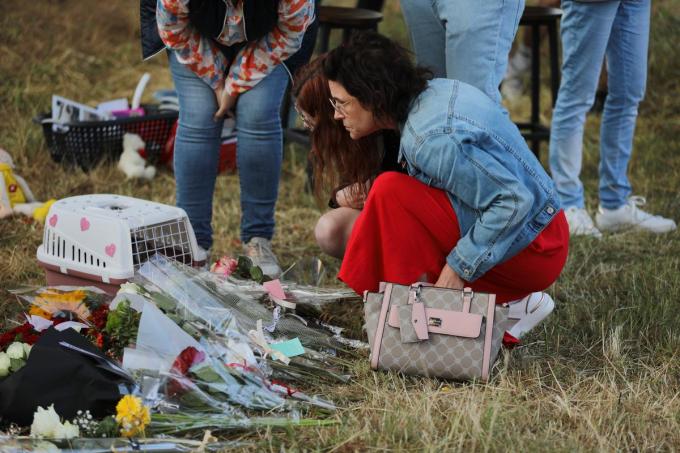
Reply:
x=167 y=238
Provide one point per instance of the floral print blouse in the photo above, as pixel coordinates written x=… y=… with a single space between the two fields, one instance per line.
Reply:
x=253 y=62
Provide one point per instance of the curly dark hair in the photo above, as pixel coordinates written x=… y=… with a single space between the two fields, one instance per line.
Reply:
x=379 y=73
x=337 y=159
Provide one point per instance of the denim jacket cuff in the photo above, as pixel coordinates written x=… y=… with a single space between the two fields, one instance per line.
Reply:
x=464 y=270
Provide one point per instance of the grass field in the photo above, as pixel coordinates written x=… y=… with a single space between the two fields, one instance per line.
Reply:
x=602 y=374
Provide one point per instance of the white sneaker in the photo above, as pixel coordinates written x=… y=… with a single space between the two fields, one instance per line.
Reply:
x=512 y=89
x=529 y=312
x=631 y=216
x=202 y=258
x=259 y=250
x=580 y=223
x=519 y=63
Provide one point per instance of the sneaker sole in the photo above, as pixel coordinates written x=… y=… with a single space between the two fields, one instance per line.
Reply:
x=591 y=234
x=635 y=227
x=533 y=319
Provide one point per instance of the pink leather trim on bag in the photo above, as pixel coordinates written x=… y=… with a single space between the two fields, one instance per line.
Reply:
x=455 y=323
x=419 y=320
x=489 y=335
x=381 y=326
x=467 y=299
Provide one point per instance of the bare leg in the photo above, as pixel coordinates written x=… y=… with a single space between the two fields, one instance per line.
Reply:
x=333 y=229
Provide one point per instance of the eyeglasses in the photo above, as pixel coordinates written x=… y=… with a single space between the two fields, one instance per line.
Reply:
x=340 y=107
x=307 y=122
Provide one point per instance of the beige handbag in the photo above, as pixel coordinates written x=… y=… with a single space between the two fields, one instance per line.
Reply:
x=437 y=332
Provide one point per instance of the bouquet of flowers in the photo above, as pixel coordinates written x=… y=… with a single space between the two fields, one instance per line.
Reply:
x=203 y=308
x=84 y=309
x=197 y=354
x=207 y=351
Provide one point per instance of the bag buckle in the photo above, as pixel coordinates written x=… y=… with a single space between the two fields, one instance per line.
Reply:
x=434 y=322
x=416 y=297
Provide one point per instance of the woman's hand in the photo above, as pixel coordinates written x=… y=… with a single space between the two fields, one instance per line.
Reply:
x=348 y=198
x=225 y=103
x=449 y=279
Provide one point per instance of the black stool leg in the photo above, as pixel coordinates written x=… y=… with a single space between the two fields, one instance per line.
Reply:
x=346 y=33
x=535 y=86
x=325 y=33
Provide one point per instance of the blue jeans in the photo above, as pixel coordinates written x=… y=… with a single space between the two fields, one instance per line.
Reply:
x=259 y=152
x=619 y=30
x=467 y=40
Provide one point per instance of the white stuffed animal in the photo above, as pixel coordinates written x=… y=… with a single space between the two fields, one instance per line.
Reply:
x=15 y=195
x=131 y=163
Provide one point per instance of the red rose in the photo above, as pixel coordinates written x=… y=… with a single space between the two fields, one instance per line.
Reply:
x=99 y=317
x=186 y=359
x=23 y=333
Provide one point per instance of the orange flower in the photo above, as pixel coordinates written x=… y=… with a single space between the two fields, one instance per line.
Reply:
x=52 y=301
x=39 y=312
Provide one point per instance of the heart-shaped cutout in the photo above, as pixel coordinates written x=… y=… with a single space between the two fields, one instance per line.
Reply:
x=84 y=224
x=110 y=250
x=53 y=220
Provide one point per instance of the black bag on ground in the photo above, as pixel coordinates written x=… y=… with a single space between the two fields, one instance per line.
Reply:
x=66 y=370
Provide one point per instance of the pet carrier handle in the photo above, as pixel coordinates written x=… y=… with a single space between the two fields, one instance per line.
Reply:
x=416 y=288
x=139 y=91
x=43 y=119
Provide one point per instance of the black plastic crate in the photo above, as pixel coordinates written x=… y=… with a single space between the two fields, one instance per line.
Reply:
x=87 y=143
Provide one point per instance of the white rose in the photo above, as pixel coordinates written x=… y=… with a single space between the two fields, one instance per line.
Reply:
x=4 y=364
x=16 y=350
x=27 y=349
x=129 y=288
x=45 y=422
x=66 y=431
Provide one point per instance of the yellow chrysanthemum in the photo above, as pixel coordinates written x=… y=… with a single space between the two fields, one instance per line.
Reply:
x=37 y=311
x=132 y=416
x=50 y=301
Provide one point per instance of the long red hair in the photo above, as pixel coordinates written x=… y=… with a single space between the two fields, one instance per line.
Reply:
x=337 y=159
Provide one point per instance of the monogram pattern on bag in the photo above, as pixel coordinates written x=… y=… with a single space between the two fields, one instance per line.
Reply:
x=443 y=356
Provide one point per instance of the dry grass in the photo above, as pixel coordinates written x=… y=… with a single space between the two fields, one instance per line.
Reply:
x=602 y=374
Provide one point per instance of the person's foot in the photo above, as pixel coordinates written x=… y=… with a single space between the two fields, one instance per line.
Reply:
x=259 y=250
x=512 y=88
x=202 y=258
x=518 y=65
x=631 y=216
x=580 y=223
x=529 y=312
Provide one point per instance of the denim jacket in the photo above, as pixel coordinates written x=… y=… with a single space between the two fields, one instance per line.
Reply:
x=457 y=139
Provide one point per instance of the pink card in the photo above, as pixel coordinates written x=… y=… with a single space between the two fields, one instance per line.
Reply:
x=274 y=288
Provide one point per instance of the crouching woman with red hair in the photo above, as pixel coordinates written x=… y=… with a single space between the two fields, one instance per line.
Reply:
x=475 y=208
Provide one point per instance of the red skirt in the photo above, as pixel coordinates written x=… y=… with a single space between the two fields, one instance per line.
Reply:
x=407 y=229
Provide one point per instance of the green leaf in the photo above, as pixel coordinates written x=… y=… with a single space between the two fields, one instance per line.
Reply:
x=163 y=302
x=244 y=265
x=204 y=372
x=256 y=274
x=108 y=427
x=16 y=364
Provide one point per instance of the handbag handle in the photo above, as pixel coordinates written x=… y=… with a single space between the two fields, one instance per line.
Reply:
x=414 y=294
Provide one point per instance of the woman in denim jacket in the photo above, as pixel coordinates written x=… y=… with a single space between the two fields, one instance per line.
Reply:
x=476 y=208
